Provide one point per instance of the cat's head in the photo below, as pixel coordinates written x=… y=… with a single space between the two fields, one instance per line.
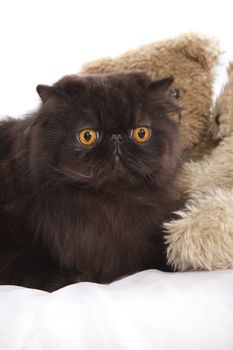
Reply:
x=106 y=129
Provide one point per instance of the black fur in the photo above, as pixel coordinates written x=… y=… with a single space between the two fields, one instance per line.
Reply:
x=70 y=212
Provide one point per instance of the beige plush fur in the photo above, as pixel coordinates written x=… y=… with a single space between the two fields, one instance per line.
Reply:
x=224 y=108
x=202 y=236
x=202 y=239
x=190 y=59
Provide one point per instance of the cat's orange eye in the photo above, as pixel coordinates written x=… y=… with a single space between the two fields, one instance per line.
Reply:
x=141 y=134
x=88 y=136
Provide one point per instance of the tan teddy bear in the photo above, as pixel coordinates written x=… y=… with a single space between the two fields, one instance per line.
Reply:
x=202 y=236
x=191 y=58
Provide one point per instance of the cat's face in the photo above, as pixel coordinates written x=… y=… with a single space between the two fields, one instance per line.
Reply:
x=107 y=129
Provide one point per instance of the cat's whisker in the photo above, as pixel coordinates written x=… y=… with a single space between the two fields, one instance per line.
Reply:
x=79 y=174
x=145 y=173
x=58 y=170
x=66 y=171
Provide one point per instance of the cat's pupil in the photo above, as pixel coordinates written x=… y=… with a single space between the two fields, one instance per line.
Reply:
x=141 y=133
x=87 y=136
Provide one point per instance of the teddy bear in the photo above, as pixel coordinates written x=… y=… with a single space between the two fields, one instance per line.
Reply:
x=191 y=59
x=201 y=236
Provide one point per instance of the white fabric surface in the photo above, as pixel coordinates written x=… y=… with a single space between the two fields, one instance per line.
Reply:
x=147 y=311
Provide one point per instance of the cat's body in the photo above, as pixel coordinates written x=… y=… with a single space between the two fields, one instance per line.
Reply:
x=71 y=211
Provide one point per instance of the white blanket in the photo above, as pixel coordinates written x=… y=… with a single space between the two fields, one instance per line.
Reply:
x=150 y=310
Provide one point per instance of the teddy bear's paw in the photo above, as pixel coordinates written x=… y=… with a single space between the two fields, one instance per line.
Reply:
x=202 y=236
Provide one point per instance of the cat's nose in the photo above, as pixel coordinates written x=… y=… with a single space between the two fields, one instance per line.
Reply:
x=116 y=137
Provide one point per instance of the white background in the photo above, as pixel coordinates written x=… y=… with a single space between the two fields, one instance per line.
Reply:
x=42 y=40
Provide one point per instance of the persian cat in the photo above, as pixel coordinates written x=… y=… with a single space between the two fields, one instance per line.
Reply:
x=87 y=180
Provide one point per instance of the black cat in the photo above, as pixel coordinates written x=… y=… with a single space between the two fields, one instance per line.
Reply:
x=87 y=180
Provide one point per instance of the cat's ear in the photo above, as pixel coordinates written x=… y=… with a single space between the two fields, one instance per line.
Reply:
x=45 y=92
x=161 y=85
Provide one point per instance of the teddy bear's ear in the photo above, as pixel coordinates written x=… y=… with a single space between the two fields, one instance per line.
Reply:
x=199 y=48
x=230 y=70
x=103 y=65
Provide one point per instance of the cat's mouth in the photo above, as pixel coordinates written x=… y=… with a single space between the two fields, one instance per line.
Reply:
x=118 y=165
x=117 y=162
x=117 y=159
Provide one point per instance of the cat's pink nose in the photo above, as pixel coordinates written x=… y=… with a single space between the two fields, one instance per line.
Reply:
x=116 y=137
